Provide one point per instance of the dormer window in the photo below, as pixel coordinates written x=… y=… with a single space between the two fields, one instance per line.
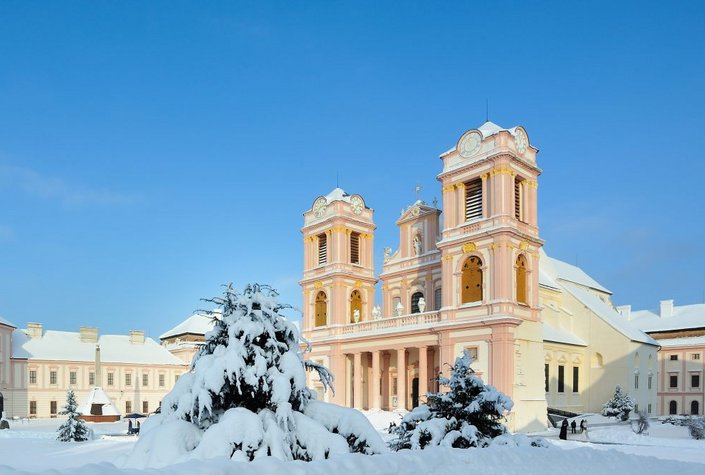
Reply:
x=354 y=248
x=322 y=249
x=473 y=199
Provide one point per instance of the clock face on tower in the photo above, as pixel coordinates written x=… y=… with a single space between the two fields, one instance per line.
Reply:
x=521 y=141
x=357 y=204
x=319 y=207
x=470 y=144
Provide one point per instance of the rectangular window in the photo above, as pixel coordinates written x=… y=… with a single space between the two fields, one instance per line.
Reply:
x=545 y=375
x=111 y=379
x=128 y=407
x=72 y=377
x=636 y=381
x=91 y=378
x=354 y=248
x=695 y=356
x=145 y=407
x=674 y=357
x=52 y=408
x=561 y=378
x=649 y=381
x=32 y=408
x=437 y=298
x=648 y=408
x=145 y=379
x=576 y=377
x=673 y=381
x=161 y=380
x=52 y=377
x=33 y=377
x=322 y=249
x=473 y=199
x=128 y=379
x=694 y=380
x=518 y=185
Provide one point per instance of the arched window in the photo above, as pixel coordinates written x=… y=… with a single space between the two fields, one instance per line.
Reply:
x=673 y=408
x=415 y=302
x=472 y=280
x=321 y=309
x=521 y=279
x=355 y=304
x=694 y=408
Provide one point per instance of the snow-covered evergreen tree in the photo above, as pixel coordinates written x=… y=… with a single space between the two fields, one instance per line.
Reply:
x=619 y=406
x=73 y=428
x=246 y=394
x=696 y=427
x=468 y=415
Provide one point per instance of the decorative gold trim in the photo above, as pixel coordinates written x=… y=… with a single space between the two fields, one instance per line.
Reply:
x=448 y=188
x=484 y=176
x=318 y=285
x=469 y=247
x=502 y=171
x=358 y=284
x=524 y=245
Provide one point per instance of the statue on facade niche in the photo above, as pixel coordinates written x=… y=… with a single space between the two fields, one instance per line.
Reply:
x=422 y=305
x=387 y=253
x=399 y=309
x=356 y=315
x=417 y=245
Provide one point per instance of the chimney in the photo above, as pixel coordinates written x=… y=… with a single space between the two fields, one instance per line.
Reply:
x=98 y=369
x=88 y=334
x=35 y=330
x=666 y=308
x=625 y=311
x=137 y=337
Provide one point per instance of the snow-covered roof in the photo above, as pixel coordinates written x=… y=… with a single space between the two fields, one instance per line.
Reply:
x=6 y=322
x=687 y=341
x=67 y=346
x=337 y=194
x=560 y=336
x=97 y=396
x=681 y=318
x=196 y=324
x=546 y=280
x=559 y=270
x=608 y=314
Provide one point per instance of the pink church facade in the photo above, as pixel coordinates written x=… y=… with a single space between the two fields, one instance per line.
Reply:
x=471 y=283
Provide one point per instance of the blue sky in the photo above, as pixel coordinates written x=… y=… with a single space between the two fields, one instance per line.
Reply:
x=151 y=151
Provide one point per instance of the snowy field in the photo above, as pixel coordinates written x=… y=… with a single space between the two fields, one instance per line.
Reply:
x=613 y=448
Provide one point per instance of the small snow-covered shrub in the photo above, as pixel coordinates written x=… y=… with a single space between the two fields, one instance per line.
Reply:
x=619 y=406
x=696 y=427
x=246 y=396
x=73 y=428
x=641 y=425
x=468 y=415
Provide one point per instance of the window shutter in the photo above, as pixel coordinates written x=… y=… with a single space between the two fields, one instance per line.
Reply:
x=473 y=200
x=322 y=249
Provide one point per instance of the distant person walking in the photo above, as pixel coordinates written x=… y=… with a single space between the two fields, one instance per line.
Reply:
x=129 y=426
x=564 y=430
x=582 y=426
x=573 y=425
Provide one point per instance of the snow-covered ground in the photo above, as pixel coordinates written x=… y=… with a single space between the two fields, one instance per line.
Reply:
x=612 y=448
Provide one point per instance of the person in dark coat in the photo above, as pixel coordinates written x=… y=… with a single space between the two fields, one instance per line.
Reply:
x=129 y=426
x=582 y=426
x=573 y=425
x=564 y=430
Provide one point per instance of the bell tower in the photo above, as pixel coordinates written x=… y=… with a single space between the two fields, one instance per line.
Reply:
x=490 y=255
x=338 y=281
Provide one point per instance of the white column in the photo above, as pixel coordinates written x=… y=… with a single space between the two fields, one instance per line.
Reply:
x=376 y=404
x=401 y=378
x=423 y=373
x=357 y=382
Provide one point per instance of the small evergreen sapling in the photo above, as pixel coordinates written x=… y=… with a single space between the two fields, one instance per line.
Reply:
x=73 y=428
x=641 y=425
x=468 y=415
x=619 y=406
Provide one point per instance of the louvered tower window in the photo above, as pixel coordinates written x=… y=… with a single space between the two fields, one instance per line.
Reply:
x=473 y=199
x=354 y=248
x=322 y=249
x=518 y=185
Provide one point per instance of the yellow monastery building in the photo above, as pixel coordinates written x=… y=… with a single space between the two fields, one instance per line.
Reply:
x=542 y=331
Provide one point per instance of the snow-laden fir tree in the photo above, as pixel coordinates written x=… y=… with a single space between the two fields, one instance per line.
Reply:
x=468 y=415
x=73 y=428
x=619 y=406
x=246 y=396
x=696 y=427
